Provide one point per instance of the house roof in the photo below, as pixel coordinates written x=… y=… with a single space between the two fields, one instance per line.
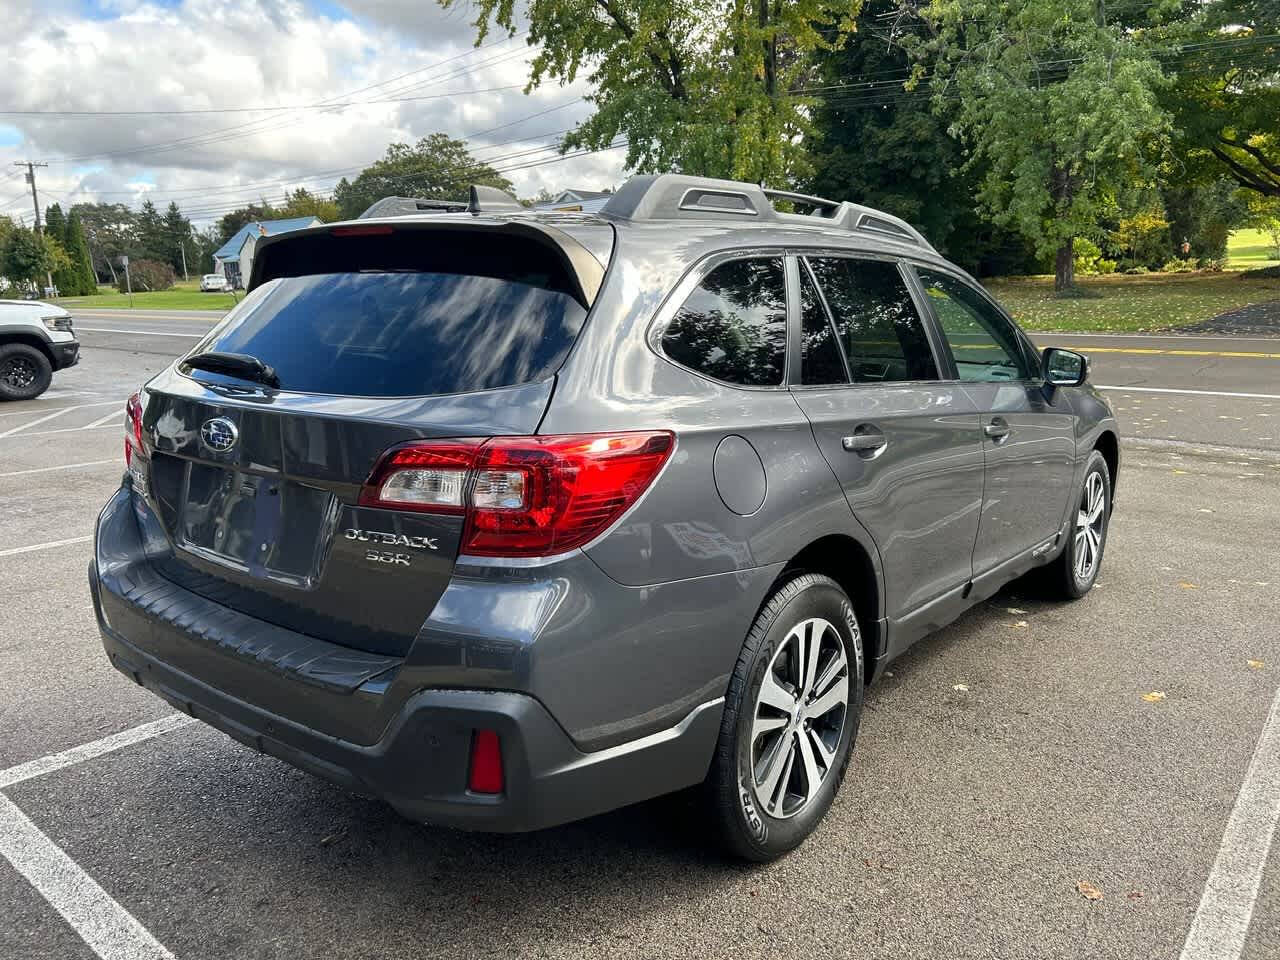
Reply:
x=231 y=249
x=569 y=195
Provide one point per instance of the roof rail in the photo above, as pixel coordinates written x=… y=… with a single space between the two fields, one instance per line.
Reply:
x=673 y=196
x=481 y=199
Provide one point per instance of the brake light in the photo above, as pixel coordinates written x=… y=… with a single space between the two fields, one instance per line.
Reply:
x=522 y=496
x=132 y=427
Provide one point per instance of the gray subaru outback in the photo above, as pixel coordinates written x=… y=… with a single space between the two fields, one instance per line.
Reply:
x=514 y=518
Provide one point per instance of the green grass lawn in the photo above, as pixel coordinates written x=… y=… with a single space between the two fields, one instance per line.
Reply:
x=1129 y=304
x=1119 y=303
x=185 y=295
x=1248 y=249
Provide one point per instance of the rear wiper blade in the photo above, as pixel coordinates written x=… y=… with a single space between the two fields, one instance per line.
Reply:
x=236 y=364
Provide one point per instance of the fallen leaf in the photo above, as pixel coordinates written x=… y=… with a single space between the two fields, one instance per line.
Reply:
x=1021 y=623
x=1015 y=612
x=1254 y=664
x=1135 y=894
x=1179 y=473
x=1155 y=696
x=961 y=687
x=1189 y=586
x=1088 y=890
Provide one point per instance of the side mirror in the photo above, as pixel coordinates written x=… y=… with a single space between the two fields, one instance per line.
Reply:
x=1064 y=368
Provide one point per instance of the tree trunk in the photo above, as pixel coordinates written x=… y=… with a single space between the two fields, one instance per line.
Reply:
x=1064 y=267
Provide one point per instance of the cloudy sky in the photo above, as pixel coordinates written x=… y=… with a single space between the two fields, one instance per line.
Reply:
x=64 y=56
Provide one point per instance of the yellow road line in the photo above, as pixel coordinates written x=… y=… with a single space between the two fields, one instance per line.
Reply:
x=1177 y=353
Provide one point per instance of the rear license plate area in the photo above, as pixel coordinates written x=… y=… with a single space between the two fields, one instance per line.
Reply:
x=253 y=521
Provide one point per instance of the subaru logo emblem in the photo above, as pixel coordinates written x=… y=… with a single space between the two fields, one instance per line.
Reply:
x=219 y=434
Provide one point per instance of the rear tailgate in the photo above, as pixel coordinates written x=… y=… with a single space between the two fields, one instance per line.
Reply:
x=257 y=488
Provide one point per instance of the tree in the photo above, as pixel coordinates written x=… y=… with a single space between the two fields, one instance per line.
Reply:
x=304 y=203
x=28 y=256
x=82 y=263
x=1057 y=101
x=150 y=242
x=1264 y=215
x=111 y=230
x=231 y=223
x=1226 y=101
x=872 y=143
x=437 y=167
x=176 y=234
x=65 y=279
x=698 y=86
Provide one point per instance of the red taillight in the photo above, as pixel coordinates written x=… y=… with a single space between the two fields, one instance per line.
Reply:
x=486 y=763
x=522 y=496
x=132 y=427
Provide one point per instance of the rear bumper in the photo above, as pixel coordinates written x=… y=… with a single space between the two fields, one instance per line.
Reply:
x=273 y=694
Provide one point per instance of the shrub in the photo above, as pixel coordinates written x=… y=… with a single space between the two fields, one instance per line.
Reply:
x=147 y=275
x=1089 y=259
x=1211 y=264
x=1137 y=271
x=1179 y=266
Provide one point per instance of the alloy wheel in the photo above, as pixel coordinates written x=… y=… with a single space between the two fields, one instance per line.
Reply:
x=1091 y=520
x=19 y=373
x=799 y=717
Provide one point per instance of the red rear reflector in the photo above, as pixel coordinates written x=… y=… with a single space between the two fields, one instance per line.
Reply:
x=522 y=496
x=369 y=231
x=486 y=763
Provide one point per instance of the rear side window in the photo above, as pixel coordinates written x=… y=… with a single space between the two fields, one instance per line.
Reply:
x=883 y=336
x=820 y=360
x=733 y=327
x=402 y=333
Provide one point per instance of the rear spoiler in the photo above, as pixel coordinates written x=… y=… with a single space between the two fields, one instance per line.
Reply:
x=324 y=249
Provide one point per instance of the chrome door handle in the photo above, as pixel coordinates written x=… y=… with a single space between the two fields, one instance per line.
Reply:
x=997 y=429
x=869 y=440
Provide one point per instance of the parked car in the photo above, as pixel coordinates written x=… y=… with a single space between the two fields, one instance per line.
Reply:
x=36 y=339
x=556 y=513
x=214 y=283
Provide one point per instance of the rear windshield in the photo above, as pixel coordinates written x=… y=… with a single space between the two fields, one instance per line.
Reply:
x=398 y=333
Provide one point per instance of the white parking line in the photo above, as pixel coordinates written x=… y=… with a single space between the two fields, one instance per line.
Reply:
x=38 y=420
x=49 y=433
x=102 y=421
x=111 y=931
x=95 y=748
x=61 y=466
x=145 y=333
x=1221 y=924
x=32 y=548
x=96 y=403
x=1194 y=393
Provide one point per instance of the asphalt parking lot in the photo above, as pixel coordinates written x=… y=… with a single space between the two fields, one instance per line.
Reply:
x=1130 y=742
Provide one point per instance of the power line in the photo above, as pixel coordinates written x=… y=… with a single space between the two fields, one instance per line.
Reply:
x=264 y=124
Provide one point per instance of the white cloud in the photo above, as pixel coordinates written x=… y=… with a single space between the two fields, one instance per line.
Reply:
x=208 y=54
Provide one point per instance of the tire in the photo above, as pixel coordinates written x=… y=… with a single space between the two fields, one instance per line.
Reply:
x=25 y=372
x=761 y=803
x=1064 y=576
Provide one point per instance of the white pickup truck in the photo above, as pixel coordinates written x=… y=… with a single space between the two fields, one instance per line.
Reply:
x=36 y=338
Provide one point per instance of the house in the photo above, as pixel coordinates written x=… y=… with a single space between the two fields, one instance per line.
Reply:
x=576 y=201
x=234 y=258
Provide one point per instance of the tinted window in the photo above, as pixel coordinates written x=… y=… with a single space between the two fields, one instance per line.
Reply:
x=984 y=344
x=884 y=339
x=733 y=327
x=820 y=360
x=401 y=334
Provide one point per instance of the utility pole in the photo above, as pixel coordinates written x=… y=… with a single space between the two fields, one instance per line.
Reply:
x=182 y=245
x=35 y=200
